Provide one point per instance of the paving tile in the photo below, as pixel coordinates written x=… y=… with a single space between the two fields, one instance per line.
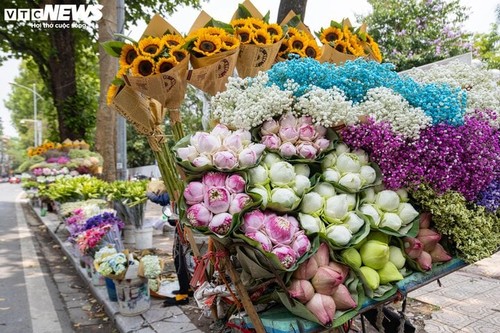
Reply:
x=480 y=327
x=452 y=318
x=477 y=285
x=455 y=293
x=168 y=326
x=472 y=307
x=452 y=279
x=492 y=297
x=493 y=319
x=436 y=299
x=432 y=326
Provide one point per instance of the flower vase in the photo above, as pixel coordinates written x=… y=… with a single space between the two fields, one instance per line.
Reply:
x=144 y=238
x=133 y=296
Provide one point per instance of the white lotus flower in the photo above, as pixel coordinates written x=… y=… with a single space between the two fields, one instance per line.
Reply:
x=353 y=222
x=392 y=221
x=258 y=176
x=406 y=212
x=302 y=184
x=302 y=169
x=326 y=190
x=338 y=234
x=387 y=200
x=370 y=211
x=310 y=224
x=336 y=207
x=352 y=181
x=282 y=174
x=368 y=174
x=348 y=162
x=312 y=203
x=285 y=197
x=331 y=175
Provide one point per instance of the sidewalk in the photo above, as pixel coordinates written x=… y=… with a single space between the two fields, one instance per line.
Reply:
x=467 y=301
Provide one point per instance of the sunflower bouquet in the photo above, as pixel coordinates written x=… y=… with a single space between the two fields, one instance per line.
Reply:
x=299 y=43
x=342 y=42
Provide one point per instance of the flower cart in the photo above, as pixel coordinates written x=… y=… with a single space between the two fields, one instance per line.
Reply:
x=326 y=189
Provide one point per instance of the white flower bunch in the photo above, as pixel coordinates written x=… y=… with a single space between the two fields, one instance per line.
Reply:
x=151 y=265
x=483 y=90
x=249 y=102
x=327 y=107
x=385 y=105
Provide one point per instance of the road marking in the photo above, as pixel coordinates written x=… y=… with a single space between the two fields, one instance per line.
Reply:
x=43 y=315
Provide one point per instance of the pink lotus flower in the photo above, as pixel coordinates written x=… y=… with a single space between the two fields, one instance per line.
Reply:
x=301 y=243
x=221 y=223
x=307 y=150
x=214 y=179
x=220 y=131
x=288 y=120
x=320 y=130
x=323 y=307
x=429 y=238
x=413 y=247
x=343 y=299
x=252 y=221
x=198 y=215
x=321 y=144
x=235 y=183
x=289 y=134
x=202 y=161
x=247 y=158
x=286 y=255
x=225 y=160
x=305 y=120
x=281 y=229
x=239 y=201
x=246 y=136
x=217 y=199
x=271 y=141
x=188 y=153
x=307 y=132
x=262 y=238
x=205 y=142
x=322 y=256
x=288 y=149
x=343 y=270
x=233 y=142
x=326 y=280
x=306 y=270
x=424 y=261
x=439 y=254
x=194 y=193
x=425 y=220
x=302 y=290
x=269 y=127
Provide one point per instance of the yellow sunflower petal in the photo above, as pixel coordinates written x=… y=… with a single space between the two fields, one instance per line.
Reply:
x=178 y=53
x=256 y=23
x=128 y=54
x=171 y=40
x=297 y=42
x=292 y=32
x=207 y=45
x=112 y=91
x=261 y=37
x=151 y=46
x=229 y=42
x=215 y=31
x=331 y=34
x=122 y=71
x=244 y=34
x=238 y=23
x=275 y=31
x=143 y=66
x=312 y=50
x=165 y=64
x=341 y=46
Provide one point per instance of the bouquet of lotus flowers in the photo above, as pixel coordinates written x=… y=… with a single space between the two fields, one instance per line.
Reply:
x=341 y=42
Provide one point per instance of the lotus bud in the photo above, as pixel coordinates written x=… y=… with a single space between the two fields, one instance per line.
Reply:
x=221 y=223
x=368 y=174
x=207 y=143
x=284 y=197
x=351 y=257
x=387 y=200
x=302 y=290
x=288 y=150
x=352 y=181
x=262 y=238
x=307 y=132
x=305 y=120
x=312 y=203
x=341 y=149
x=270 y=127
x=338 y=234
x=286 y=255
x=406 y=212
x=282 y=174
x=239 y=201
x=220 y=131
x=225 y=160
x=198 y=215
x=271 y=158
x=379 y=236
x=429 y=238
x=288 y=134
x=302 y=169
x=331 y=175
x=288 y=120
x=257 y=148
x=320 y=130
x=271 y=141
x=396 y=257
x=391 y=221
x=351 y=201
x=194 y=192
x=235 y=183
x=302 y=184
x=322 y=144
x=425 y=220
x=301 y=244
x=374 y=254
x=424 y=261
x=371 y=212
x=258 y=175
x=262 y=192
x=252 y=221
x=322 y=256
x=326 y=280
x=413 y=247
x=281 y=229
x=336 y=207
x=368 y=195
x=439 y=254
x=343 y=270
x=326 y=190
x=323 y=307
x=247 y=158
x=201 y=161
x=310 y=223
x=307 y=150
x=343 y=299
x=389 y=273
x=217 y=199
x=362 y=156
x=217 y=179
x=370 y=277
x=329 y=161
x=353 y=222
x=347 y=162
x=306 y=270
x=233 y=142
x=188 y=153
x=403 y=194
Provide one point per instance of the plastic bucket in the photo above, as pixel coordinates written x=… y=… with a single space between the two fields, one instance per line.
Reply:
x=129 y=234
x=144 y=238
x=111 y=289
x=133 y=296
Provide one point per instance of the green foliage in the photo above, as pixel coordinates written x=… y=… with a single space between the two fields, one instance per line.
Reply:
x=129 y=193
x=488 y=47
x=27 y=164
x=75 y=189
x=412 y=33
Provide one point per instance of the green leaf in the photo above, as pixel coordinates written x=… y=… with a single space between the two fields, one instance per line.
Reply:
x=219 y=24
x=117 y=82
x=113 y=48
x=243 y=12
x=126 y=38
x=266 y=17
x=294 y=21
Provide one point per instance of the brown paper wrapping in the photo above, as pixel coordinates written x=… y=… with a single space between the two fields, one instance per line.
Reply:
x=300 y=26
x=253 y=58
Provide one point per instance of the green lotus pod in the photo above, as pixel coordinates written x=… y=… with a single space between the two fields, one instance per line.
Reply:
x=389 y=273
x=352 y=257
x=379 y=236
x=370 y=276
x=374 y=254
x=397 y=257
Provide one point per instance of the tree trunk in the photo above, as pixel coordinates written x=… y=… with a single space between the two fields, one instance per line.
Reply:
x=105 y=140
x=298 y=6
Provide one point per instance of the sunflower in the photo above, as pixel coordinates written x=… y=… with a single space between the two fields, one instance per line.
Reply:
x=165 y=64
x=151 y=46
x=178 y=53
x=207 y=45
x=122 y=71
x=128 y=54
x=354 y=47
x=275 y=31
x=143 y=66
x=30 y=151
x=244 y=34
x=256 y=23
x=297 y=42
x=312 y=50
x=238 y=23
x=170 y=40
x=112 y=91
x=369 y=39
x=375 y=51
x=261 y=37
x=48 y=145
x=229 y=42
x=215 y=31
x=284 y=49
x=331 y=34
x=341 y=46
x=293 y=32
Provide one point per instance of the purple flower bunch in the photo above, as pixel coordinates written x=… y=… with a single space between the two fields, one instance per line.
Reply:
x=213 y=200
x=294 y=137
x=489 y=197
x=277 y=234
x=105 y=218
x=75 y=222
x=460 y=158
